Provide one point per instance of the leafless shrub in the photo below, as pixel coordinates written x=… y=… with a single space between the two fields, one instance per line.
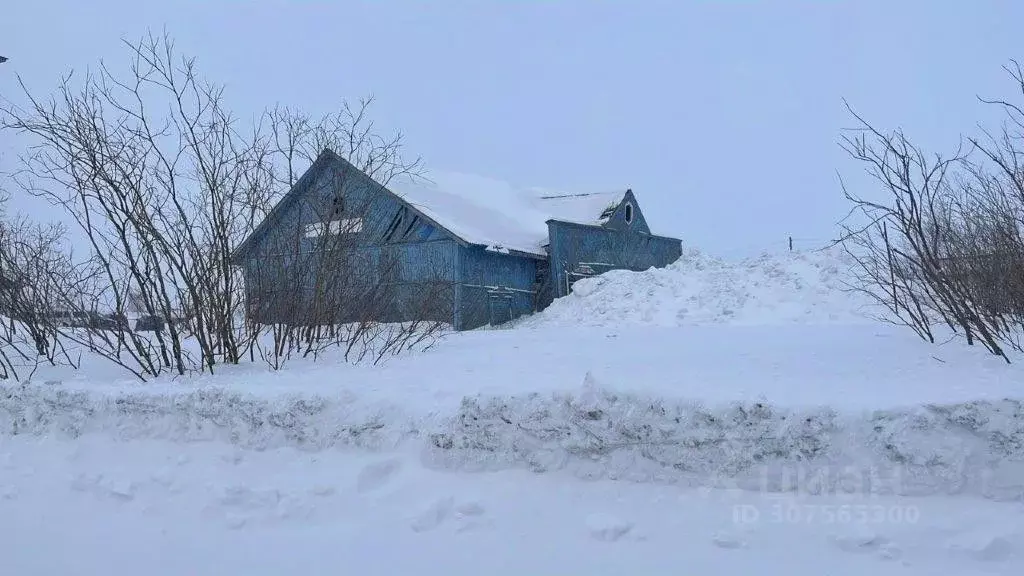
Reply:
x=945 y=245
x=28 y=337
x=50 y=303
x=163 y=182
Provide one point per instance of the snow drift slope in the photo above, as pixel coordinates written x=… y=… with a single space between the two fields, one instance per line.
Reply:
x=793 y=287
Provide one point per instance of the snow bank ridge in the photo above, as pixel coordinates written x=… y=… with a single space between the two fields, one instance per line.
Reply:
x=975 y=447
x=307 y=421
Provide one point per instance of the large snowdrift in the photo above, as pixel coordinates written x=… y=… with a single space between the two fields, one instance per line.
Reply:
x=974 y=447
x=809 y=287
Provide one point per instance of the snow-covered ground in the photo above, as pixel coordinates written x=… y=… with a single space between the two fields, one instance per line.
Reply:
x=738 y=418
x=94 y=506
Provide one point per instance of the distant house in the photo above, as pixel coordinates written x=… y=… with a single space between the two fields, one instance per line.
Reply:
x=484 y=254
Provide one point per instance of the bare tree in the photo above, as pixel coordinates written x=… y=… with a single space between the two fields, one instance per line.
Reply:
x=163 y=182
x=945 y=244
x=349 y=132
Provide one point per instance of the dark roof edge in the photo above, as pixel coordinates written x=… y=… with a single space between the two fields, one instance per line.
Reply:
x=514 y=252
x=600 y=227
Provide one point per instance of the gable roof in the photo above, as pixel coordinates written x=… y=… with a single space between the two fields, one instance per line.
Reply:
x=326 y=159
x=473 y=209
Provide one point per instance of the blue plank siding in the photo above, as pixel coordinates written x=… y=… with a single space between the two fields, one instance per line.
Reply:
x=578 y=251
x=396 y=251
x=623 y=242
x=494 y=287
x=420 y=280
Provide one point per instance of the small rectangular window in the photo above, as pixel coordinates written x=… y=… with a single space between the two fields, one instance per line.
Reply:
x=314 y=230
x=333 y=227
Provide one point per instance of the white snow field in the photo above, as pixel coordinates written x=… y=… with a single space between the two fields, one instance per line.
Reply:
x=747 y=419
x=98 y=506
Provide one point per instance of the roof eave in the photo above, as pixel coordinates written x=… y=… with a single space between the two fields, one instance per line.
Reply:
x=602 y=227
x=571 y=223
x=512 y=252
x=534 y=255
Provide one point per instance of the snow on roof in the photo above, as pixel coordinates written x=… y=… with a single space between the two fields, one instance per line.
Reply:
x=495 y=214
x=593 y=208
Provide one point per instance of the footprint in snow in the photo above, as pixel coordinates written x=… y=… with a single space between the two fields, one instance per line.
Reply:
x=986 y=547
x=245 y=498
x=470 y=516
x=467 y=515
x=376 y=475
x=608 y=528
x=866 y=541
x=728 y=541
x=235 y=521
x=164 y=479
x=123 y=490
x=859 y=541
x=323 y=490
x=235 y=458
x=433 y=515
x=98 y=485
x=241 y=505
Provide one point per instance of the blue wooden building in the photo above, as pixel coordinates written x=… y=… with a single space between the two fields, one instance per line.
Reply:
x=482 y=252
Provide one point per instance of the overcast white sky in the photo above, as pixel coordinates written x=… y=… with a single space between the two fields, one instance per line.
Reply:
x=722 y=116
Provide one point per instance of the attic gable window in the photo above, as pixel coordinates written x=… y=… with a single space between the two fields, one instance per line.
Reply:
x=334 y=227
x=629 y=212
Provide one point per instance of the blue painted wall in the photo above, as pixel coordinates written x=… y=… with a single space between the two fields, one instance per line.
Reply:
x=577 y=251
x=493 y=287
